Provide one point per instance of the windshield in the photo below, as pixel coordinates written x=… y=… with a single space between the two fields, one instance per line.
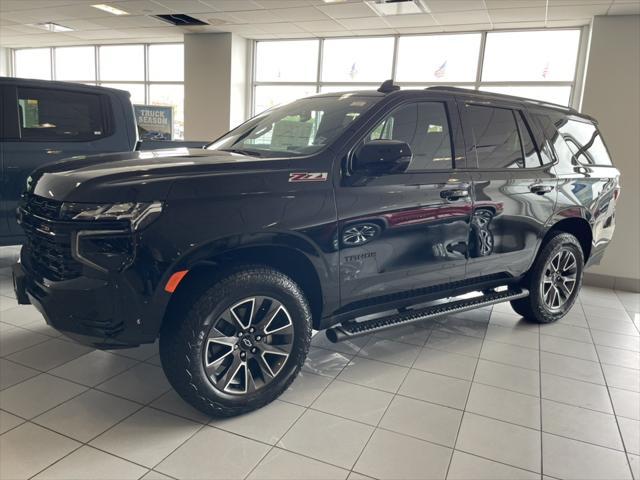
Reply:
x=299 y=128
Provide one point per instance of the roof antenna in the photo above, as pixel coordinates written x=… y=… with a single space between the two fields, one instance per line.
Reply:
x=388 y=87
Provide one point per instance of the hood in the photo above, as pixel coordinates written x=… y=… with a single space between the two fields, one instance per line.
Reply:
x=129 y=176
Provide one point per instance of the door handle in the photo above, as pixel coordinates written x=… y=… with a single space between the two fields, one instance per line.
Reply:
x=540 y=189
x=454 y=194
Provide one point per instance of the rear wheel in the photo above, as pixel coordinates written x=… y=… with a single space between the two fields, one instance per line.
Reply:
x=554 y=280
x=241 y=344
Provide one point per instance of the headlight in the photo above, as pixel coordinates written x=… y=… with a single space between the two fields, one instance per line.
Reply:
x=112 y=247
x=139 y=214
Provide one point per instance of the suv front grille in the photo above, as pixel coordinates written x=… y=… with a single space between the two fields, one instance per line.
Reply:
x=48 y=247
x=43 y=207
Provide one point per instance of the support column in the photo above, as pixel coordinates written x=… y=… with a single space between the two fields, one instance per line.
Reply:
x=215 y=83
x=612 y=95
x=5 y=56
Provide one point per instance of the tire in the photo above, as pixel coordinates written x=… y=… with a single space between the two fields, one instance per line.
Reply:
x=544 y=304
x=227 y=355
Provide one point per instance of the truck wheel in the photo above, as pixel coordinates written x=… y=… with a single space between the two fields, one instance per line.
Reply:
x=553 y=281
x=241 y=343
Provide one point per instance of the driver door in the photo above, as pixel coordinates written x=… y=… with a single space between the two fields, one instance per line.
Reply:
x=402 y=232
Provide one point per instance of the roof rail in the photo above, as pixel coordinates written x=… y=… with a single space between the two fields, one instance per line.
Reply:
x=531 y=101
x=388 y=86
x=446 y=88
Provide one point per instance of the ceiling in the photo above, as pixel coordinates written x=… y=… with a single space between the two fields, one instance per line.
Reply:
x=262 y=19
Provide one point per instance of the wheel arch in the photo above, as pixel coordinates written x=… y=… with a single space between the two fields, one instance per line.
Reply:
x=204 y=266
x=579 y=227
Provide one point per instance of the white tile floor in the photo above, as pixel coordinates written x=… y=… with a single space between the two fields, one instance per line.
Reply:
x=478 y=395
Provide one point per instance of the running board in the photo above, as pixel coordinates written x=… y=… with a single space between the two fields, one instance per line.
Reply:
x=353 y=329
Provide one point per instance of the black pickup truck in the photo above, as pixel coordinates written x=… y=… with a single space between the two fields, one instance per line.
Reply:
x=314 y=215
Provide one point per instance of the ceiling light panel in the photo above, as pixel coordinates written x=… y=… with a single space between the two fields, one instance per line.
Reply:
x=53 y=27
x=109 y=9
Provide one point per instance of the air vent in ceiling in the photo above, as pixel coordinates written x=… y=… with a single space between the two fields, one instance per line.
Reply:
x=180 y=20
x=398 y=7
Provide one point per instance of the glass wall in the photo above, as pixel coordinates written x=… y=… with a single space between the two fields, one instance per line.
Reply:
x=152 y=74
x=538 y=64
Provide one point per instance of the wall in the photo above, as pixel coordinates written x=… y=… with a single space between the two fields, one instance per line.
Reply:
x=214 y=83
x=612 y=95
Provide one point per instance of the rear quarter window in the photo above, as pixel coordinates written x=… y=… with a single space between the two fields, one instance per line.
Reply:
x=582 y=141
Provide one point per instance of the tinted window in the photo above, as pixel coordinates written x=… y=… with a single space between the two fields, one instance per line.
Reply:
x=559 y=145
x=546 y=137
x=531 y=158
x=574 y=141
x=59 y=115
x=584 y=140
x=424 y=126
x=496 y=142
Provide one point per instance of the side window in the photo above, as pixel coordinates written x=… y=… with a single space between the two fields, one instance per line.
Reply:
x=531 y=158
x=425 y=127
x=59 y=115
x=585 y=141
x=495 y=137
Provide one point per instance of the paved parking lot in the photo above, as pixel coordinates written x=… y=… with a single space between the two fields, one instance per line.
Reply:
x=476 y=395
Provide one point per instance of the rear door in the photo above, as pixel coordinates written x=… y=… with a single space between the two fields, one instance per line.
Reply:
x=402 y=232
x=514 y=187
x=49 y=125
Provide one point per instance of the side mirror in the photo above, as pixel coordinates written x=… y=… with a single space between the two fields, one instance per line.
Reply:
x=382 y=156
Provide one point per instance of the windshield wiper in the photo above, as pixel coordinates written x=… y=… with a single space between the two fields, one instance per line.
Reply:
x=242 y=151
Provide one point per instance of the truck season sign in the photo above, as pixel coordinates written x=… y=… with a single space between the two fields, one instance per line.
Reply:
x=154 y=122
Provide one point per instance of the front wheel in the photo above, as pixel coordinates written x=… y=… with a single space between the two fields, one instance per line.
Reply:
x=240 y=345
x=554 y=280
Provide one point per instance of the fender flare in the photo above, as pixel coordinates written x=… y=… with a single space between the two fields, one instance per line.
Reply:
x=212 y=253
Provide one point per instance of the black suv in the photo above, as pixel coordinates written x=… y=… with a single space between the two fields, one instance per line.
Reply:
x=314 y=215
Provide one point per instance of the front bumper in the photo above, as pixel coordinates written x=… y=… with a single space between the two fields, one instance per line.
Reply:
x=95 y=312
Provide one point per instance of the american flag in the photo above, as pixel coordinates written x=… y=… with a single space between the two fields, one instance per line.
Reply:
x=354 y=71
x=545 y=70
x=440 y=71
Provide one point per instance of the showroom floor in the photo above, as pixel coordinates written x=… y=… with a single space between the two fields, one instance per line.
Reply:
x=477 y=395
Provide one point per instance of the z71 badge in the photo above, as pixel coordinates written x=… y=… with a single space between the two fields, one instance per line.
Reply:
x=308 y=177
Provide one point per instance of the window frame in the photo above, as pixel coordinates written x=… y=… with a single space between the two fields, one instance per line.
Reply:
x=575 y=84
x=378 y=117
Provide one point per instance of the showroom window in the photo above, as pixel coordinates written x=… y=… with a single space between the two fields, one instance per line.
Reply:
x=539 y=64
x=153 y=74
